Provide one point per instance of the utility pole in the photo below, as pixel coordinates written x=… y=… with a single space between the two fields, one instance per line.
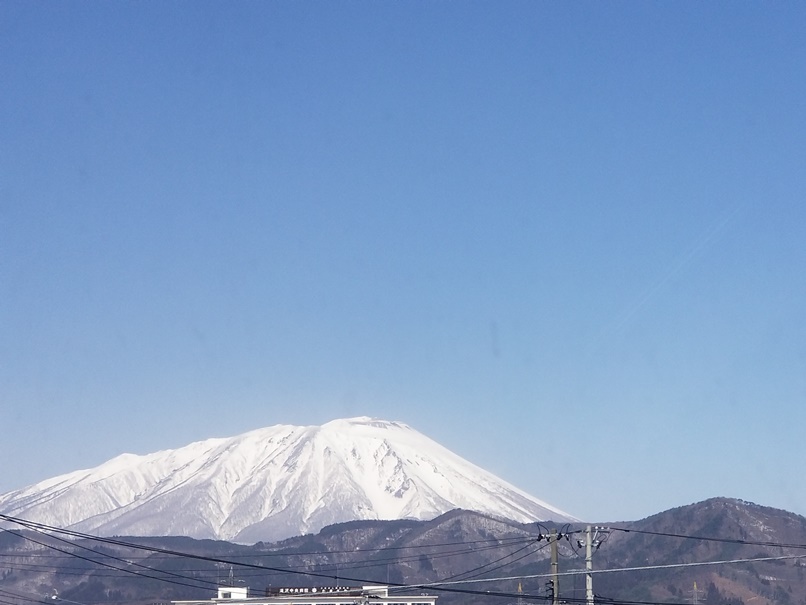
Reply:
x=591 y=543
x=588 y=566
x=555 y=574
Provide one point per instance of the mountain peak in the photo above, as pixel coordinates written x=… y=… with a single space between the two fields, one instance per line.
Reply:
x=365 y=421
x=273 y=483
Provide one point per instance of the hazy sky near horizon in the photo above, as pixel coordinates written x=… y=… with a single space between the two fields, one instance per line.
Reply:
x=565 y=240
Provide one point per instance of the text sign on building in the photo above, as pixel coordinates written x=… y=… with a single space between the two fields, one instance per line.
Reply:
x=291 y=590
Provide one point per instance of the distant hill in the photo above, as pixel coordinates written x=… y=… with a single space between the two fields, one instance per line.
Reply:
x=744 y=531
x=458 y=545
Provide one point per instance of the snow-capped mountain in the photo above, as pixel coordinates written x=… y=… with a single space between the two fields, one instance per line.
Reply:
x=274 y=483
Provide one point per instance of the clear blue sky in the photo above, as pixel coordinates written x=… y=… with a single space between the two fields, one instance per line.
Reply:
x=565 y=240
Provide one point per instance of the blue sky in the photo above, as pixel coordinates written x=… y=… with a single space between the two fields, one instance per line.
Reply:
x=565 y=240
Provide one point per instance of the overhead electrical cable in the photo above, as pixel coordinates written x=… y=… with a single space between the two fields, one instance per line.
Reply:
x=481 y=569
x=17 y=595
x=339 y=577
x=710 y=538
x=618 y=569
x=445 y=586
x=261 y=572
x=492 y=541
x=110 y=566
x=39 y=527
x=121 y=560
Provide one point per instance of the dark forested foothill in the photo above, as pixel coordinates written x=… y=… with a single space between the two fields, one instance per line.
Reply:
x=717 y=552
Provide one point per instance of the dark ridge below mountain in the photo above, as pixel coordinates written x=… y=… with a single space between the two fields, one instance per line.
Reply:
x=457 y=545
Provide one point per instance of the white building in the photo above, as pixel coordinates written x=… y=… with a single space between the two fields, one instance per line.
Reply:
x=315 y=595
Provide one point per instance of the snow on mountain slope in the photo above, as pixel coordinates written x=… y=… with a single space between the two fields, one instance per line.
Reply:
x=274 y=483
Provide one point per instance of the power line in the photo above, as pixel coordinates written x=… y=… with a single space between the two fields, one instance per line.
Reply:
x=710 y=539
x=284 y=570
x=42 y=527
x=621 y=569
x=448 y=585
x=110 y=566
